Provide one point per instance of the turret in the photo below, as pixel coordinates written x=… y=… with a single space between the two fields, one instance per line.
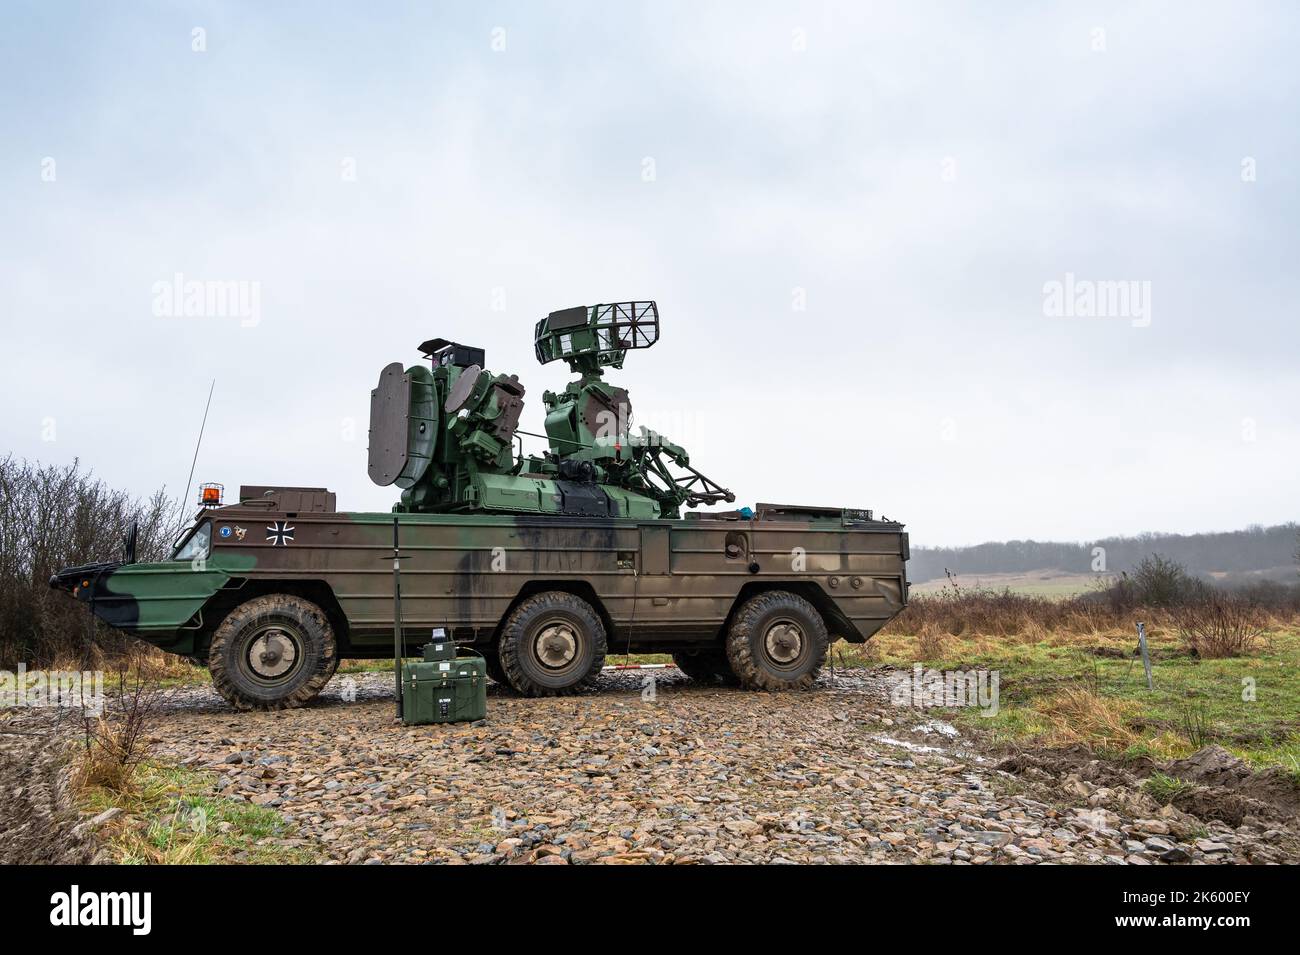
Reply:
x=445 y=434
x=433 y=430
x=590 y=419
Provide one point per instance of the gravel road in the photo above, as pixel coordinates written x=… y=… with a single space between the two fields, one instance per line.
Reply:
x=683 y=774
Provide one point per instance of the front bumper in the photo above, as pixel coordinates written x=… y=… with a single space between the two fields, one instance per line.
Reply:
x=84 y=582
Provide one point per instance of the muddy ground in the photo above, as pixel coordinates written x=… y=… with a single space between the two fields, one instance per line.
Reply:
x=680 y=774
x=37 y=821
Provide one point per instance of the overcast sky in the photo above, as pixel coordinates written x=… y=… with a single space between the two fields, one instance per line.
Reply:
x=851 y=215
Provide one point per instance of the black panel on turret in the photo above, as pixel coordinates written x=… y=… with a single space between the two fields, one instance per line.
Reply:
x=584 y=500
x=574 y=317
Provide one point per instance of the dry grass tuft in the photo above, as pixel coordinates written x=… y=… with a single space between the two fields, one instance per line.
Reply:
x=153 y=664
x=930 y=642
x=1079 y=716
x=110 y=757
x=1218 y=624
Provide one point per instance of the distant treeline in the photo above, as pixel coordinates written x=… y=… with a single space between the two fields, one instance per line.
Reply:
x=1253 y=549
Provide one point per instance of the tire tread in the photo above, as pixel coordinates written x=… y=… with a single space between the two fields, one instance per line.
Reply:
x=740 y=641
x=227 y=684
x=508 y=650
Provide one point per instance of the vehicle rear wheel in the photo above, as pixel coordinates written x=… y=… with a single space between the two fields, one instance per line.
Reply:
x=553 y=644
x=706 y=666
x=777 y=641
x=272 y=653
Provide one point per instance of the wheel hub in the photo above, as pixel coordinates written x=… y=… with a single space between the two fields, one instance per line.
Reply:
x=556 y=646
x=272 y=654
x=783 y=642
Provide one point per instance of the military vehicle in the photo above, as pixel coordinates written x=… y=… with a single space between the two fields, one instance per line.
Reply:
x=544 y=563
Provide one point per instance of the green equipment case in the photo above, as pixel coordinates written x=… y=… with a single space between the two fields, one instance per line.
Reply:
x=444 y=688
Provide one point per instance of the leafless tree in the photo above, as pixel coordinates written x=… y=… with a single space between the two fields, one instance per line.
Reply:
x=53 y=517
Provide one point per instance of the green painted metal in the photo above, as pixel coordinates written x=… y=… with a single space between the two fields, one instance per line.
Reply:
x=444 y=691
x=446 y=435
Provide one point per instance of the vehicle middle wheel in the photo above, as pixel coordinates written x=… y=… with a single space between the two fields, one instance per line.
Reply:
x=706 y=666
x=553 y=644
x=777 y=641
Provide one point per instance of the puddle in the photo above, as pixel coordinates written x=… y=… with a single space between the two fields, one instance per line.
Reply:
x=933 y=727
x=907 y=745
x=938 y=726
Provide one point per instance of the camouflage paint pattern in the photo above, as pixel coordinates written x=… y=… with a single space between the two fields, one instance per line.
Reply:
x=660 y=585
x=484 y=528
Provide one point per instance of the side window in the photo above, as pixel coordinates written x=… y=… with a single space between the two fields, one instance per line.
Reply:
x=198 y=545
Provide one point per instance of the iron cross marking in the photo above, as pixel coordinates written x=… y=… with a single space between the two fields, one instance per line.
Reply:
x=280 y=533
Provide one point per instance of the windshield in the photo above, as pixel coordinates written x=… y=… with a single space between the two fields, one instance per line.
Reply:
x=196 y=545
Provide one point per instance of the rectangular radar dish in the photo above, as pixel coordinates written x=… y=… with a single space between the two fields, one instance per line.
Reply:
x=604 y=331
x=625 y=325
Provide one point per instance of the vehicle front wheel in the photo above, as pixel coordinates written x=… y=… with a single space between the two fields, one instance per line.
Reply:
x=553 y=644
x=777 y=641
x=272 y=653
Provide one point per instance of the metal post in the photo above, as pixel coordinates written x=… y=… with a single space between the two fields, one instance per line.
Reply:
x=398 y=644
x=1146 y=657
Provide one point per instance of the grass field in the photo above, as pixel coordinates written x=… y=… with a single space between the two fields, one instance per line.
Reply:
x=1062 y=689
x=172 y=817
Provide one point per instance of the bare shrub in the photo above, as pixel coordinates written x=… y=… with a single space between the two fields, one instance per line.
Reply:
x=1120 y=596
x=868 y=653
x=959 y=612
x=1158 y=592
x=1221 y=625
x=117 y=741
x=54 y=517
x=1270 y=595
x=1160 y=582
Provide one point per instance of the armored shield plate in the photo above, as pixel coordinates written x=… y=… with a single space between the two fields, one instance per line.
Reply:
x=403 y=426
x=390 y=407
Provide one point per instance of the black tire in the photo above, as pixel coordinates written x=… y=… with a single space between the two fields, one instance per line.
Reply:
x=575 y=644
x=250 y=665
x=496 y=673
x=777 y=641
x=706 y=666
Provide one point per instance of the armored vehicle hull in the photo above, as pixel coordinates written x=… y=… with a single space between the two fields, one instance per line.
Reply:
x=272 y=592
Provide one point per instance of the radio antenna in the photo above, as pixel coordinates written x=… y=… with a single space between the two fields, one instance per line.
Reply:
x=197 y=444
